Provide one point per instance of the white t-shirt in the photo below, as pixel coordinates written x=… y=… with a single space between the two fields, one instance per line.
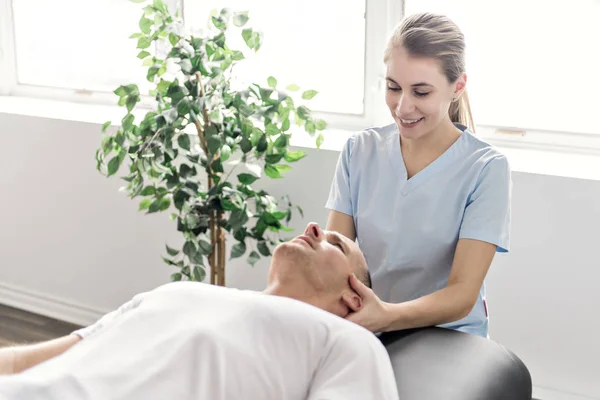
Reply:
x=189 y=340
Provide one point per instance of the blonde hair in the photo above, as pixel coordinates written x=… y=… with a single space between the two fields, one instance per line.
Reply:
x=436 y=36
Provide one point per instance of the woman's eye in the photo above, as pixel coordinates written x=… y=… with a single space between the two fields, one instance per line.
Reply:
x=394 y=89
x=422 y=94
x=340 y=247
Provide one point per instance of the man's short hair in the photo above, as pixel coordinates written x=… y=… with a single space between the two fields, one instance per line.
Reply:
x=365 y=277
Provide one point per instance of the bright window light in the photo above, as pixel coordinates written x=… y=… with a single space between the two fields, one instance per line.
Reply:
x=531 y=64
x=315 y=44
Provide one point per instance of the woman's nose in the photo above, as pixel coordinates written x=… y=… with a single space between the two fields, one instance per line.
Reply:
x=313 y=229
x=405 y=106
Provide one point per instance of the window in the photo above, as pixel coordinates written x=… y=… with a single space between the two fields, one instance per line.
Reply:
x=79 y=50
x=531 y=64
x=315 y=44
x=74 y=44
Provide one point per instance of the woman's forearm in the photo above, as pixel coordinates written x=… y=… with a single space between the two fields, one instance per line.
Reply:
x=446 y=305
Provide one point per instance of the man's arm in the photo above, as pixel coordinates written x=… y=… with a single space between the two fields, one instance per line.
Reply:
x=357 y=367
x=17 y=359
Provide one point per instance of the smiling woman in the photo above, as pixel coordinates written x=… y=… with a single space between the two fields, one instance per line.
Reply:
x=428 y=202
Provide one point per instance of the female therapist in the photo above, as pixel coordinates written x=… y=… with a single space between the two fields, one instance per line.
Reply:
x=428 y=202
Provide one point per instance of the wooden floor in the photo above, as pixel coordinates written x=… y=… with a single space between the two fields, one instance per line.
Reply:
x=21 y=327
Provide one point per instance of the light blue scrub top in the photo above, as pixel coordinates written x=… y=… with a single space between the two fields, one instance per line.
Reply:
x=408 y=229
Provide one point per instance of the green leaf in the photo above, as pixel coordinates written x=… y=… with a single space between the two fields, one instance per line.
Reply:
x=107 y=145
x=293 y=156
x=303 y=112
x=238 y=218
x=219 y=23
x=205 y=247
x=238 y=250
x=131 y=102
x=247 y=179
x=145 y=24
x=164 y=203
x=309 y=94
x=143 y=54
x=262 y=143
x=199 y=274
x=283 y=168
x=127 y=123
x=310 y=127
x=148 y=62
x=196 y=258
x=272 y=172
x=113 y=165
x=145 y=204
x=173 y=39
x=120 y=91
x=282 y=141
x=285 y=125
x=293 y=87
x=148 y=191
x=105 y=126
x=253 y=258
x=263 y=248
x=214 y=143
x=272 y=82
x=271 y=129
x=189 y=249
x=143 y=43
x=176 y=276
x=248 y=36
x=152 y=71
x=225 y=152
x=245 y=145
x=321 y=125
x=273 y=158
x=320 y=140
x=184 y=141
x=300 y=211
x=240 y=18
x=172 y=252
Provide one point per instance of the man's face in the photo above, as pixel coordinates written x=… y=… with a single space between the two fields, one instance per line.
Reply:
x=323 y=261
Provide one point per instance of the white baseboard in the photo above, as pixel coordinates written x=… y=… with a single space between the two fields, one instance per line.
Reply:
x=552 y=394
x=48 y=305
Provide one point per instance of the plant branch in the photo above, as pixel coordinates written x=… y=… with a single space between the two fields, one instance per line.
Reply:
x=205 y=113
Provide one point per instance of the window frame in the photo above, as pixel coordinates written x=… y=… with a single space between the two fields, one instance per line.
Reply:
x=381 y=18
x=374 y=90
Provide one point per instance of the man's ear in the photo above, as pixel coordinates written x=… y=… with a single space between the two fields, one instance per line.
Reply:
x=352 y=300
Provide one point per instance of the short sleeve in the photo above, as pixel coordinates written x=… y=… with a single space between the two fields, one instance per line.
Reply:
x=340 y=194
x=357 y=367
x=487 y=215
x=111 y=318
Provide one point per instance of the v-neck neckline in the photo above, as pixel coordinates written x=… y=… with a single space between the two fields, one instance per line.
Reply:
x=439 y=164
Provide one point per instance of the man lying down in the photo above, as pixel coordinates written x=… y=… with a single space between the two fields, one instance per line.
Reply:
x=188 y=340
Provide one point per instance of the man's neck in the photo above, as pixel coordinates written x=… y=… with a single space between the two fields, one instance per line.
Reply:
x=276 y=288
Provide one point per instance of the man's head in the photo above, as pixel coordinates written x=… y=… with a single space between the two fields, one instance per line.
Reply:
x=315 y=267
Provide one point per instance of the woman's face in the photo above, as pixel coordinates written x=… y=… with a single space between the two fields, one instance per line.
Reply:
x=418 y=93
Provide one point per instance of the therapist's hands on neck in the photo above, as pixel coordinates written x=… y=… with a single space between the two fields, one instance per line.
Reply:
x=375 y=314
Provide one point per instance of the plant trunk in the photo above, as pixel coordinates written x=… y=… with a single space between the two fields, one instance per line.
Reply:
x=221 y=238
x=213 y=242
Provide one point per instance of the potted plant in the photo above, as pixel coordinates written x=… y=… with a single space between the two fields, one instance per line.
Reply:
x=183 y=154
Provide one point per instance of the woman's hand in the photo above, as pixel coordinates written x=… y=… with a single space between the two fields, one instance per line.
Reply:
x=374 y=313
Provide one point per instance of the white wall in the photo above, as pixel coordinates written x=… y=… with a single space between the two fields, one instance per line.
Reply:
x=72 y=246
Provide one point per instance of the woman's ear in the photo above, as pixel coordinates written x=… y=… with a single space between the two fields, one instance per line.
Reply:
x=460 y=85
x=352 y=300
